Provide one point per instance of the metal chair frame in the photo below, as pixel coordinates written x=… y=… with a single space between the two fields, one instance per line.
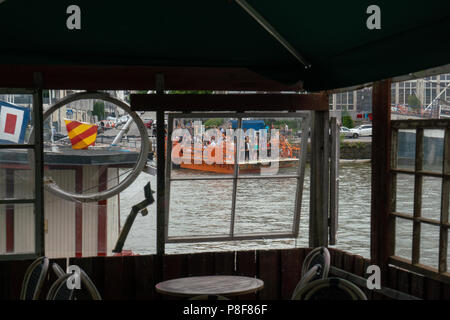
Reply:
x=85 y=281
x=57 y=286
x=308 y=291
x=24 y=294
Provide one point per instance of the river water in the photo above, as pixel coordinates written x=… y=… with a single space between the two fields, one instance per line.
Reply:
x=203 y=208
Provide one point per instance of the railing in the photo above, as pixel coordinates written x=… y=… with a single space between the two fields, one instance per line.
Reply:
x=134 y=277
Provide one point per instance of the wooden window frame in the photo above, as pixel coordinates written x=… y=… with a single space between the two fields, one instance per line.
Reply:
x=443 y=271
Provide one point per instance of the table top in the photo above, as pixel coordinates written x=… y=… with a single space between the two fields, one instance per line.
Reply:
x=210 y=285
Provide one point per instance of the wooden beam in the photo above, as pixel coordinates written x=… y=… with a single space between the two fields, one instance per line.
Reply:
x=381 y=240
x=427 y=271
x=139 y=78
x=229 y=102
x=160 y=185
x=334 y=180
x=319 y=190
x=418 y=179
x=445 y=203
x=421 y=123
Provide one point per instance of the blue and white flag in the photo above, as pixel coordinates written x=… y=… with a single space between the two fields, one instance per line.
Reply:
x=13 y=123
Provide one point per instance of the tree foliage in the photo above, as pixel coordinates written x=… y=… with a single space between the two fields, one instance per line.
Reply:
x=214 y=122
x=347 y=120
x=99 y=110
x=413 y=101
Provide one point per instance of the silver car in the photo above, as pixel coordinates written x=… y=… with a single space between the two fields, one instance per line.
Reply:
x=364 y=130
x=344 y=131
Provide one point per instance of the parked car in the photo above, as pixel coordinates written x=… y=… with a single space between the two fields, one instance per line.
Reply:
x=364 y=130
x=148 y=123
x=121 y=120
x=344 y=131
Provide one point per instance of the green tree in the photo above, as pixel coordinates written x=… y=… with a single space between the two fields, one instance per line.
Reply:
x=347 y=120
x=99 y=110
x=413 y=101
x=214 y=122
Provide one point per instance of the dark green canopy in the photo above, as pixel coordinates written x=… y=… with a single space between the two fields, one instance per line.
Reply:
x=330 y=35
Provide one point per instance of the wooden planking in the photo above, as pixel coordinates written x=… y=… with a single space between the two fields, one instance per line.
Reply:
x=246 y=263
x=392 y=278
x=428 y=271
x=269 y=272
x=229 y=102
x=144 y=277
x=200 y=264
x=359 y=268
x=445 y=292
x=174 y=266
x=16 y=274
x=291 y=269
x=128 y=284
x=113 y=272
x=338 y=259
x=417 y=285
x=403 y=281
x=11 y=278
x=349 y=262
x=134 y=277
x=224 y=263
x=432 y=290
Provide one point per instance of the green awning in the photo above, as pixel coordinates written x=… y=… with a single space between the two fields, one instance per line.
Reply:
x=332 y=36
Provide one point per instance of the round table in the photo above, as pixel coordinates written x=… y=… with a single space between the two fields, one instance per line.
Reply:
x=210 y=285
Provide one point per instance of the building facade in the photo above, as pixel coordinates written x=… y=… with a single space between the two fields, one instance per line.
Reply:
x=430 y=91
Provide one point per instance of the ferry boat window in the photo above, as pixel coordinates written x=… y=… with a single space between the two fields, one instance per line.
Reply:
x=18 y=215
x=235 y=176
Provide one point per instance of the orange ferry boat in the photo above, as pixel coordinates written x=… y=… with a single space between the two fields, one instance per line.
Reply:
x=202 y=161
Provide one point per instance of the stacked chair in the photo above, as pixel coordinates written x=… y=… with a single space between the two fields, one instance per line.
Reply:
x=35 y=277
x=88 y=291
x=316 y=285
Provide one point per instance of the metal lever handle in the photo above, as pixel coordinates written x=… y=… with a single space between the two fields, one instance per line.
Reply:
x=141 y=206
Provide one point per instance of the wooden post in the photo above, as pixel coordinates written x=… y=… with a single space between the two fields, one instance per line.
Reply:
x=38 y=122
x=160 y=185
x=319 y=194
x=160 y=173
x=334 y=179
x=381 y=233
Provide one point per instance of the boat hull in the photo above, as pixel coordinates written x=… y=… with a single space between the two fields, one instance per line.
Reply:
x=247 y=167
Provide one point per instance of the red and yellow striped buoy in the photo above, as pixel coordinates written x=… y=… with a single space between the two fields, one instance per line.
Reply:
x=81 y=135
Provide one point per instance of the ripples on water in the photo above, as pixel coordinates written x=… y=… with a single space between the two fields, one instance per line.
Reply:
x=203 y=208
